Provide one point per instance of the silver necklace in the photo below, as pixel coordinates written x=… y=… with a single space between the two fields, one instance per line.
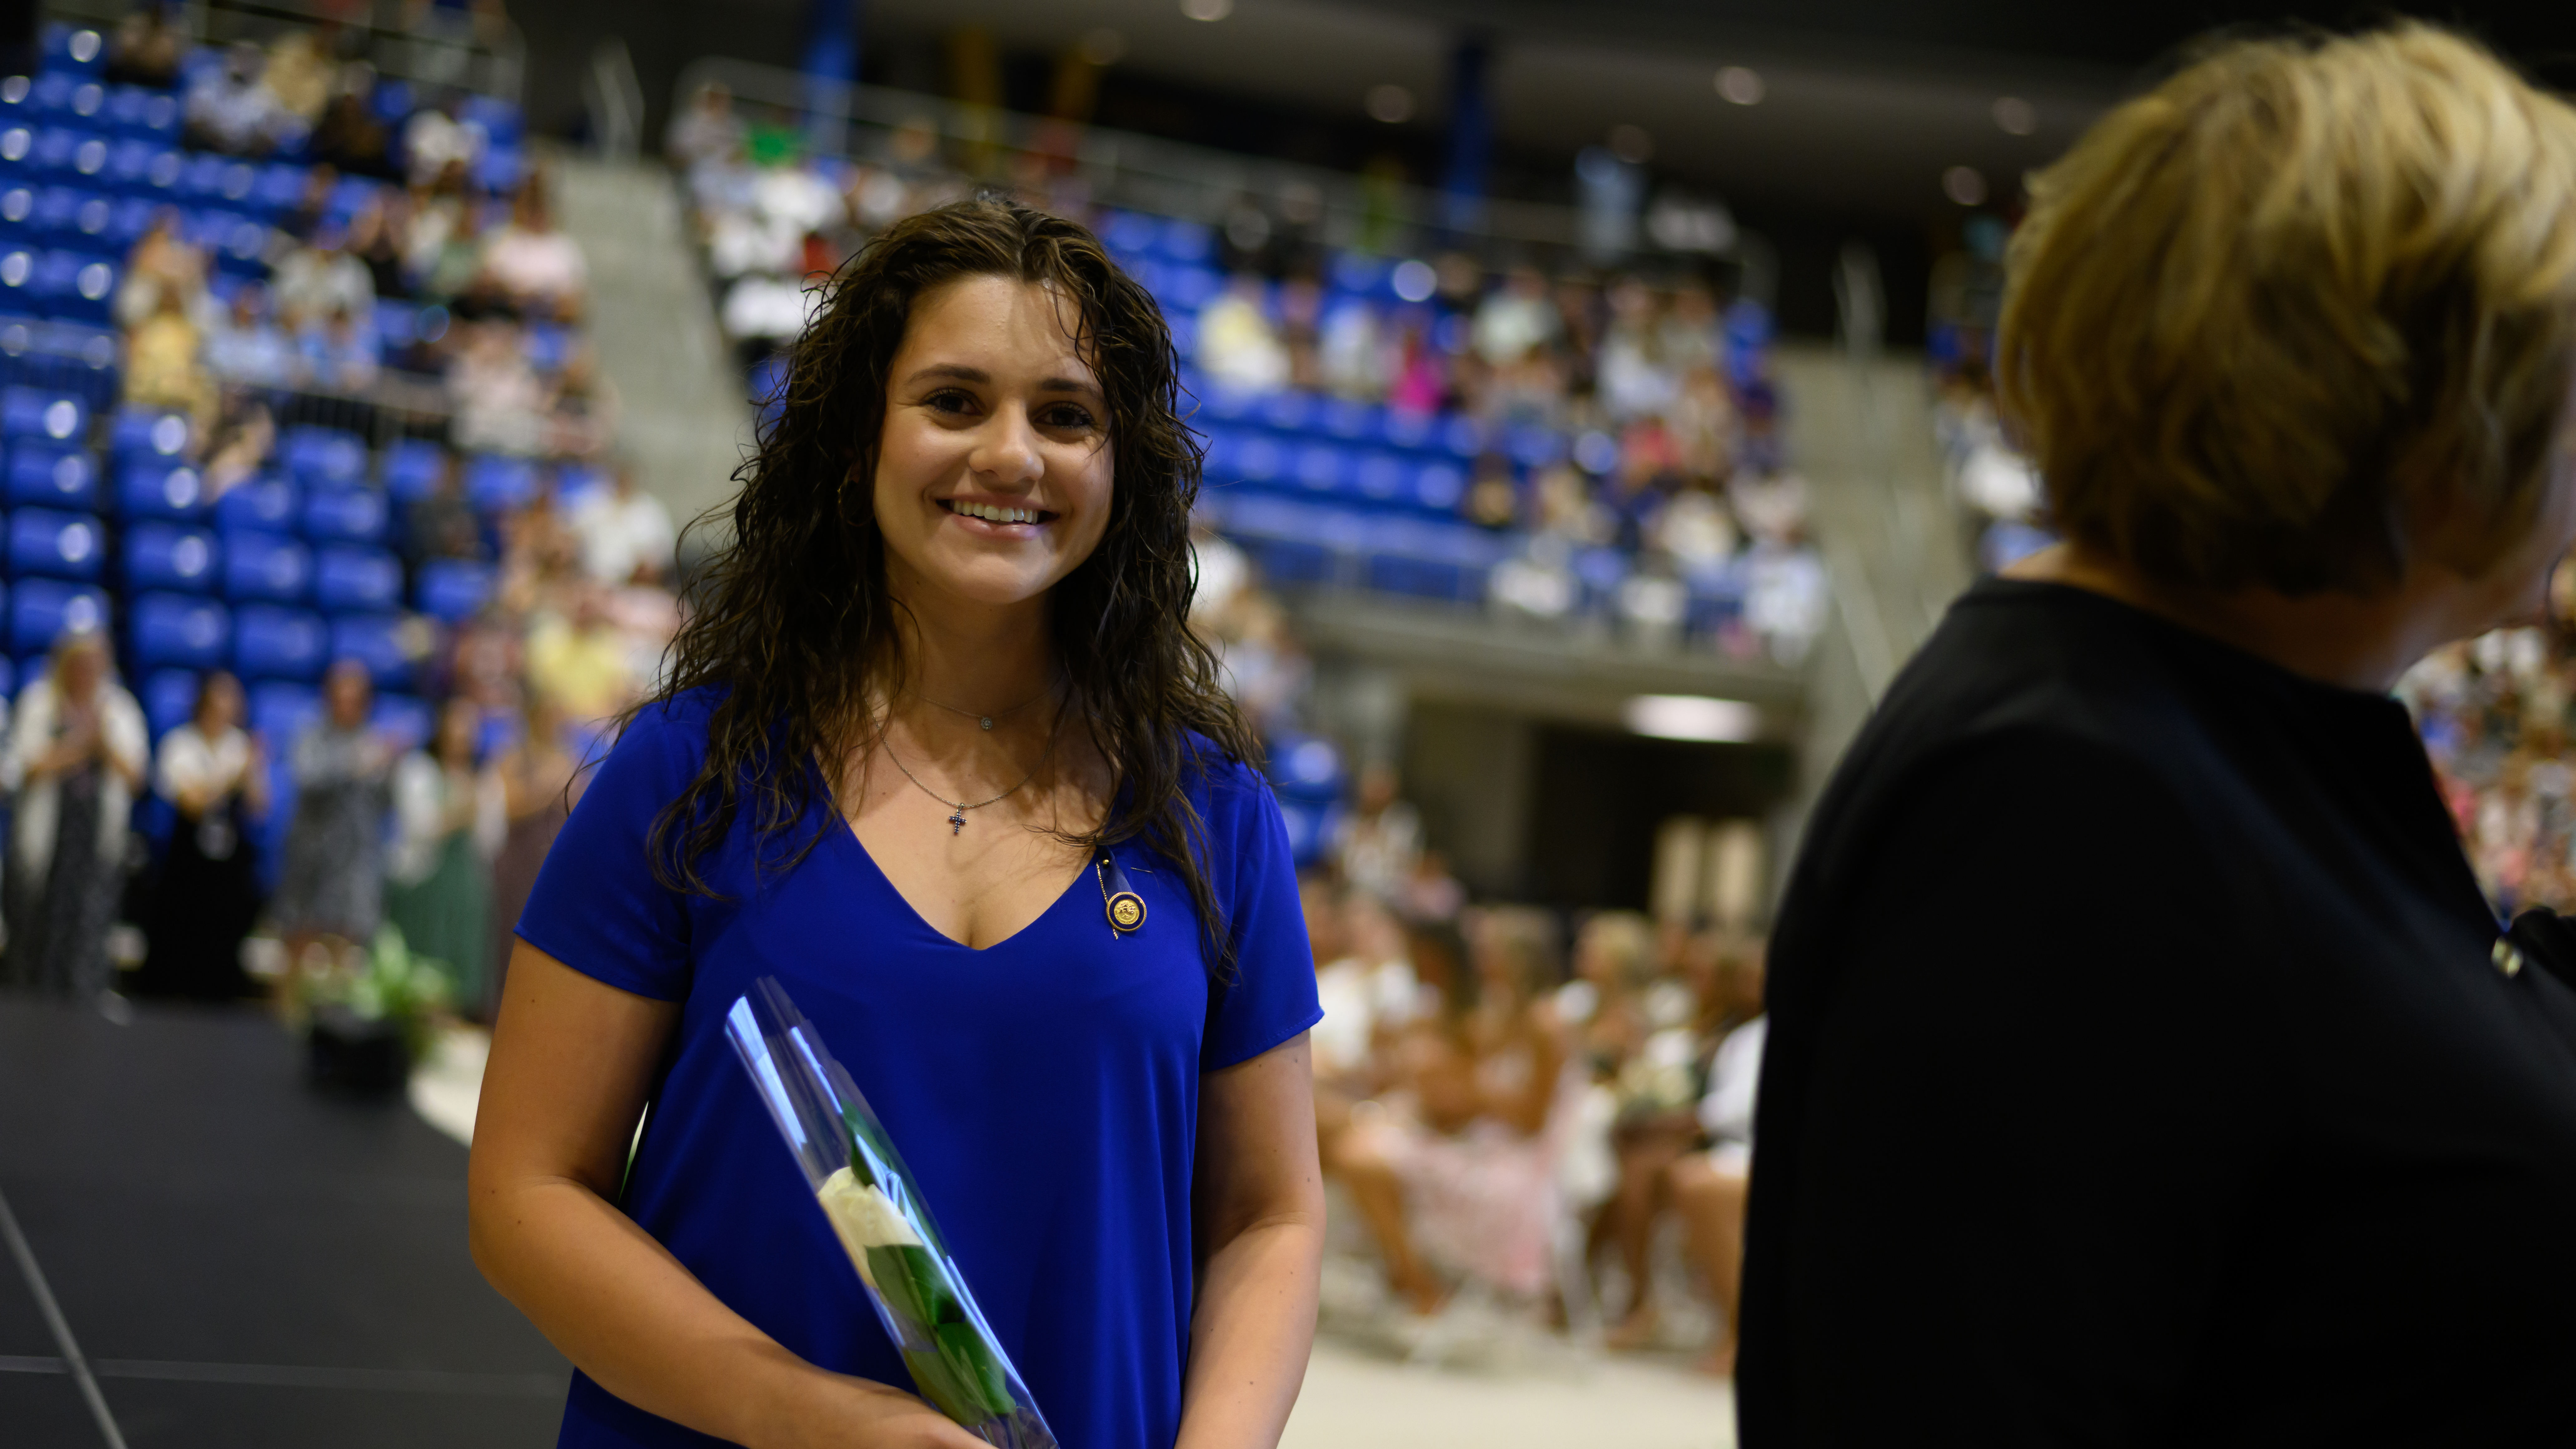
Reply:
x=957 y=808
x=986 y=720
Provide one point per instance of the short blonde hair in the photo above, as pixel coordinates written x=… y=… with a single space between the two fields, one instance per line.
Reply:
x=2301 y=311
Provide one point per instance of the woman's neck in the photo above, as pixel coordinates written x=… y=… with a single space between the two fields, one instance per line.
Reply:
x=978 y=659
x=2349 y=640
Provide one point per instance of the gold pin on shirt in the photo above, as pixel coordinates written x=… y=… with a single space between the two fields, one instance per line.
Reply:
x=1125 y=908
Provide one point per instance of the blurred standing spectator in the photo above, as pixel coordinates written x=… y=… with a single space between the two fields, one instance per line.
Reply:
x=626 y=533
x=500 y=400
x=145 y=48
x=246 y=347
x=331 y=889
x=1709 y=1188
x=77 y=754
x=450 y=820
x=1237 y=345
x=299 y=75
x=162 y=264
x=535 y=267
x=350 y=137
x=442 y=522
x=214 y=776
x=707 y=130
x=537 y=790
x=1381 y=838
x=580 y=664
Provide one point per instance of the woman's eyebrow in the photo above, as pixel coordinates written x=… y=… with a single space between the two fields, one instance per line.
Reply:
x=962 y=373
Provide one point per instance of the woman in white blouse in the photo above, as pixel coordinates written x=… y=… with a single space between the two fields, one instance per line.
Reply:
x=75 y=759
x=215 y=777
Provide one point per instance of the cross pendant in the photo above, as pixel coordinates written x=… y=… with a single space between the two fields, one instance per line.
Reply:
x=987 y=720
x=956 y=821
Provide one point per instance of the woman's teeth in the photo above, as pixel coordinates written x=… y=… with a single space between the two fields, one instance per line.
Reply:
x=991 y=514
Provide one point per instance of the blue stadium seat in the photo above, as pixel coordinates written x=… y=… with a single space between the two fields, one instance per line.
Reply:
x=179 y=631
x=1432 y=560
x=1438 y=487
x=51 y=477
x=147 y=432
x=8 y=677
x=1321 y=468
x=576 y=481
x=17 y=99
x=323 y=457
x=279 y=711
x=498 y=483
x=279 y=187
x=18 y=213
x=68 y=97
x=1186 y=289
x=167 y=556
x=145 y=115
x=356 y=580
x=238 y=243
x=1350 y=420
x=73 y=285
x=266 y=566
x=145 y=170
x=56 y=545
x=267 y=505
x=69 y=153
x=41 y=609
x=150 y=488
x=1285 y=412
x=345 y=515
x=1383 y=478
x=274 y=643
x=375 y=640
x=452 y=590
x=1191 y=243
x=405 y=717
x=218 y=181
x=75 y=49
x=412 y=466
x=169 y=698
x=27 y=412
x=17 y=148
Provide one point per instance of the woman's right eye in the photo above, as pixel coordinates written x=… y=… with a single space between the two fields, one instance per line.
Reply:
x=949 y=400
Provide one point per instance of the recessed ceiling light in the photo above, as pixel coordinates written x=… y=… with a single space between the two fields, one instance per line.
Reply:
x=1207 y=9
x=2015 y=115
x=1693 y=717
x=1740 y=84
x=1392 y=104
x=1964 y=185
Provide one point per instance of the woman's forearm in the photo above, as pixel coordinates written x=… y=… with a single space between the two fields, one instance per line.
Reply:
x=1249 y=1338
x=621 y=1307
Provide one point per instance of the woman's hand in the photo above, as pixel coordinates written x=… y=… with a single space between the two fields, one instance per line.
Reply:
x=851 y=1413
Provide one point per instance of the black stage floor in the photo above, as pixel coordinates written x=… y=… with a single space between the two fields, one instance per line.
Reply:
x=240 y=1261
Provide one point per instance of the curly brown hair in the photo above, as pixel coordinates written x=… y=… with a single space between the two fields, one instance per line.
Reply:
x=793 y=622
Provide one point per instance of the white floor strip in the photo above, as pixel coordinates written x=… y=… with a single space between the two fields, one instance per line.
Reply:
x=62 y=1329
x=302 y=1376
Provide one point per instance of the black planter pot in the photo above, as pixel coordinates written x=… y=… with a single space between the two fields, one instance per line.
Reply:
x=345 y=1052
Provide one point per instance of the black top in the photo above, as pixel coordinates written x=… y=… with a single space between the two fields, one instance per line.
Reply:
x=2143 y=1069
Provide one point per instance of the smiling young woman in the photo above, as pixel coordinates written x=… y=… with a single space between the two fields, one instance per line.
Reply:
x=939 y=752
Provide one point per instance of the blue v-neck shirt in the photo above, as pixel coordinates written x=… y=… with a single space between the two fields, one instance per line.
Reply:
x=1045 y=1090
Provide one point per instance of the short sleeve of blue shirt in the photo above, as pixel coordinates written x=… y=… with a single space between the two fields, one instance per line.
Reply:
x=1044 y=1089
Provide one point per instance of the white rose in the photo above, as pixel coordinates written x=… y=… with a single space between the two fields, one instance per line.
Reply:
x=864 y=1218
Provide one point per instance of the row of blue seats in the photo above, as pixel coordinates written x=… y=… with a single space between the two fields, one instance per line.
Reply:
x=239 y=564
x=267 y=641
x=1293 y=415
x=1327 y=470
x=93 y=223
x=72 y=98
x=154 y=171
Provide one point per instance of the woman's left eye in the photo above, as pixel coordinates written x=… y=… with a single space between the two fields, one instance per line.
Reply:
x=1067 y=416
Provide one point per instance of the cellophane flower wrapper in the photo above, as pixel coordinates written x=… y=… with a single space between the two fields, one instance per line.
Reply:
x=876 y=1209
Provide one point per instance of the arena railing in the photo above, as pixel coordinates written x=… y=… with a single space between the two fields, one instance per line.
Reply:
x=1171 y=178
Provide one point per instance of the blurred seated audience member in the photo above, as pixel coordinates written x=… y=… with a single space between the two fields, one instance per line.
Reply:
x=230 y=108
x=215 y=778
x=163 y=366
x=581 y=420
x=1364 y=978
x=312 y=209
x=442 y=523
x=239 y=444
x=534 y=266
x=501 y=403
x=319 y=279
x=145 y=48
x=299 y=74
x=375 y=239
x=626 y=533
x=162 y=263
x=77 y=753
x=707 y=130
x=331 y=888
x=1238 y=346
x=247 y=348
x=1462 y=1147
x=1430 y=894
x=580 y=663
x=1381 y=837
x=433 y=141
x=349 y=137
x=449 y=821
x=2290 y=339
x=538 y=788
x=337 y=354
x=1515 y=319
x=1709 y=1188
x=1635 y=379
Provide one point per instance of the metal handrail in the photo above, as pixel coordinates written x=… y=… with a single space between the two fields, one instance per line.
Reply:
x=1167 y=177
